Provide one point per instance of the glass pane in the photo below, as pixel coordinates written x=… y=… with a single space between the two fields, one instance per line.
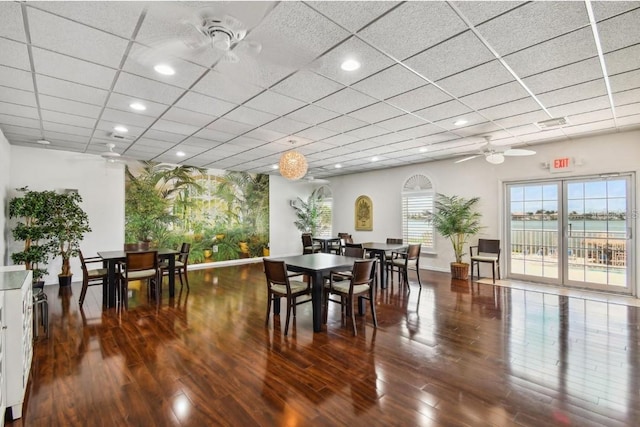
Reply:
x=575 y=190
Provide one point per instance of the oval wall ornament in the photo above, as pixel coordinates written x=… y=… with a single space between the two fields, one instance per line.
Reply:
x=364 y=214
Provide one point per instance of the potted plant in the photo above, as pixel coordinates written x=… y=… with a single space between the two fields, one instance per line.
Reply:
x=457 y=219
x=34 y=209
x=308 y=213
x=67 y=225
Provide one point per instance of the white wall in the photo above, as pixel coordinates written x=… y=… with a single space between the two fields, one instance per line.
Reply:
x=5 y=160
x=599 y=154
x=100 y=184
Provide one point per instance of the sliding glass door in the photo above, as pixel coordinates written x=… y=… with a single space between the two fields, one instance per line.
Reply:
x=574 y=232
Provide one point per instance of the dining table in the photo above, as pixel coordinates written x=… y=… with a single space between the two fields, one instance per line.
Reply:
x=110 y=260
x=317 y=266
x=380 y=250
x=326 y=243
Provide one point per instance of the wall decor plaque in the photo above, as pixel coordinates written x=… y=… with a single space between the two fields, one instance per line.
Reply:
x=364 y=214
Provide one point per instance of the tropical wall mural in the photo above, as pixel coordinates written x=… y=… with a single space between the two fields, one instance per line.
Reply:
x=224 y=215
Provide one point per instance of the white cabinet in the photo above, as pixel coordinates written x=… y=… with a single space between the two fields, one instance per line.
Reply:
x=17 y=348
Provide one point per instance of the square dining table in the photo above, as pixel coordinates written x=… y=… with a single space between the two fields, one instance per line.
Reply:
x=380 y=249
x=111 y=258
x=317 y=266
x=326 y=243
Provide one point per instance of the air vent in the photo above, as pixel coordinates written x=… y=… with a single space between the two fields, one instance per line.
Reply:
x=552 y=123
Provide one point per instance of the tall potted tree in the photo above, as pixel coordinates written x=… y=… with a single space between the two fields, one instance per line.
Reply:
x=457 y=219
x=33 y=209
x=67 y=225
x=308 y=213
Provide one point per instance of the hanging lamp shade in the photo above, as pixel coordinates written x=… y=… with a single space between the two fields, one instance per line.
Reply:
x=293 y=165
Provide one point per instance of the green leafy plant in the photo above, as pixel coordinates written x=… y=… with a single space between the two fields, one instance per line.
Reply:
x=33 y=209
x=308 y=213
x=457 y=219
x=67 y=224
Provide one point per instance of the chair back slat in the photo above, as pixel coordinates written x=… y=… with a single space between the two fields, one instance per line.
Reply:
x=354 y=251
x=391 y=240
x=489 y=246
x=146 y=260
x=183 y=256
x=306 y=239
x=413 y=252
x=276 y=272
x=361 y=273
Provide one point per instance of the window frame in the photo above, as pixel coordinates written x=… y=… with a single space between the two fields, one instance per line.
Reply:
x=425 y=195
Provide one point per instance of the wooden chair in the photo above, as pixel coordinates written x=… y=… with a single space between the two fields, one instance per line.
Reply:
x=279 y=285
x=405 y=261
x=90 y=277
x=486 y=251
x=142 y=265
x=359 y=284
x=181 y=262
x=308 y=245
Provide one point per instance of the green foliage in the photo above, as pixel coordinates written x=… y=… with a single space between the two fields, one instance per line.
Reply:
x=256 y=244
x=67 y=224
x=309 y=213
x=33 y=209
x=456 y=218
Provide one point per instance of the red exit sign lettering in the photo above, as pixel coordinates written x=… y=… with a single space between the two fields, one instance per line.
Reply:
x=562 y=164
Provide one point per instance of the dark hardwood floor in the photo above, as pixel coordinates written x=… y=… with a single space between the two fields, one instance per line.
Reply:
x=445 y=355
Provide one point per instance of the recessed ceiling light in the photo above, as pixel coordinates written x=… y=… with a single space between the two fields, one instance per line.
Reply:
x=180 y=153
x=274 y=167
x=121 y=129
x=350 y=65
x=137 y=106
x=460 y=122
x=423 y=149
x=375 y=159
x=338 y=166
x=164 y=69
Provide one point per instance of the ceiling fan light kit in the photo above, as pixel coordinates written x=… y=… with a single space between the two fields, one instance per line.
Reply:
x=495 y=158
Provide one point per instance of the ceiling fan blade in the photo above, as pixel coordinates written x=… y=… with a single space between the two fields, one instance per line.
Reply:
x=467 y=158
x=518 y=152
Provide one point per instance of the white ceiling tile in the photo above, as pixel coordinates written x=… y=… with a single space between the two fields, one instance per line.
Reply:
x=451 y=57
x=353 y=15
x=589 y=127
x=188 y=117
x=371 y=61
x=125 y=118
x=413 y=27
x=23 y=132
x=368 y=132
x=619 y=32
x=63 y=128
x=230 y=126
x=341 y=139
x=554 y=53
x=390 y=82
x=57 y=136
x=629 y=122
x=419 y=131
x=479 y=11
x=174 y=127
x=214 y=135
x=523 y=119
x=198 y=144
x=306 y=86
x=580 y=107
x=117 y=18
x=75 y=39
x=106 y=127
x=53 y=103
x=346 y=101
x=142 y=60
x=623 y=60
x=274 y=103
x=476 y=79
x=496 y=95
x=225 y=87
x=262 y=69
x=470 y=117
x=157 y=135
x=17 y=79
x=67 y=68
x=315 y=147
x=606 y=9
x=246 y=142
x=128 y=84
x=626 y=97
x=625 y=81
x=402 y=122
x=420 y=98
x=533 y=23
x=390 y=138
x=14 y=54
x=590 y=117
x=68 y=90
x=443 y=111
x=152 y=145
x=376 y=113
x=250 y=116
x=26 y=122
x=316 y=133
x=11 y=21
x=67 y=119
x=265 y=134
x=312 y=114
x=121 y=102
x=513 y=108
x=19 y=110
x=477 y=130
x=574 y=93
x=565 y=76
x=17 y=96
x=343 y=124
x=204 y=104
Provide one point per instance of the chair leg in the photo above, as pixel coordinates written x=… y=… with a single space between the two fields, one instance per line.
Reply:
x=266 y=320
x=418 y=274
x=373 y=308
x=325 y=312
x=83 y=293
x=286 y=325
x=186 y=276
x=493 y=271
x=353 y=316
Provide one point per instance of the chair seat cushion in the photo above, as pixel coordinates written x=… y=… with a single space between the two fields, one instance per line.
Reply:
x=98 y=272
x=401 y=261
x=343 y=288
x=296 y=287
x=484 y=258
x=142 y=274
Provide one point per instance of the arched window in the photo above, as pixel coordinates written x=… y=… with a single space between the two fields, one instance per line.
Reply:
x=326 y=212
x=417 y=205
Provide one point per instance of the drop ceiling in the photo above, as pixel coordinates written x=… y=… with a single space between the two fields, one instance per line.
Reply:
x=69 y=72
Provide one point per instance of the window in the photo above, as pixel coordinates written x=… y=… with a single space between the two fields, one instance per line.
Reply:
x=325 y=208
x=417 y=204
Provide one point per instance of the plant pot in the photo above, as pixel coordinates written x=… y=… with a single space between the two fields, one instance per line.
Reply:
x=459 y=270
x=65 y=280
x=265 y=252
x=144 y=245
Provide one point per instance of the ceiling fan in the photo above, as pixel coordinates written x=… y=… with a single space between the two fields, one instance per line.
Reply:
x=111 y=156
x=495 y=156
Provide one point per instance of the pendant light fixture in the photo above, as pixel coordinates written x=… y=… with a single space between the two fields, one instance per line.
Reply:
x=293 y=165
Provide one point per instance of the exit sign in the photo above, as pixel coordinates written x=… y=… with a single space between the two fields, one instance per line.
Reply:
x=561 y=164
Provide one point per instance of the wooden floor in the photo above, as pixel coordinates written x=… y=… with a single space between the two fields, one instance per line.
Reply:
x=443 y=355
